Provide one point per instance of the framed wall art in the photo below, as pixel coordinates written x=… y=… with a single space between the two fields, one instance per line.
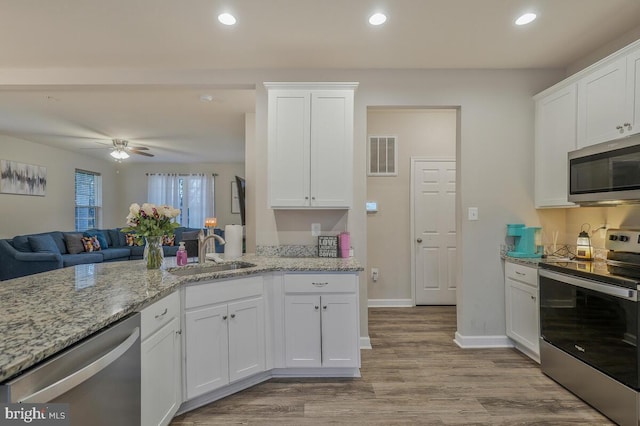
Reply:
x=22 y=179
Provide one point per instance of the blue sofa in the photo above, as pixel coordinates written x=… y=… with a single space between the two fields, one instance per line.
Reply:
x=30 y=254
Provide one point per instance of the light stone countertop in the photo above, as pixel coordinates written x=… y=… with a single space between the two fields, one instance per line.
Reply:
x=42 y=314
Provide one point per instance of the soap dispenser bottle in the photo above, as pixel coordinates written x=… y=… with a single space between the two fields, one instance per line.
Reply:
x=181 y=255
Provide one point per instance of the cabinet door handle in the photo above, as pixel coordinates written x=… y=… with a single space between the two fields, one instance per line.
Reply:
x=162 y=314
x=316 y=307
x=419 y=240
x=178 y=331
x=313 y=198
x=306 y=198
x=233 y=315
x=324 y=307
x=533 y=298
x=224 y=318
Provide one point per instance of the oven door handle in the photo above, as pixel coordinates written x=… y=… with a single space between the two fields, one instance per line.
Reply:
x=620 y=292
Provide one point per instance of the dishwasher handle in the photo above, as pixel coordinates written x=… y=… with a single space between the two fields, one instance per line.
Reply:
x=64 y=385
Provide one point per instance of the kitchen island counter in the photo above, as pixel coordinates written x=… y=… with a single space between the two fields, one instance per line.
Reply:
x=45 y=313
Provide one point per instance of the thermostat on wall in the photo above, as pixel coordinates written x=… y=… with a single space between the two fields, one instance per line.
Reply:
x=372 y=206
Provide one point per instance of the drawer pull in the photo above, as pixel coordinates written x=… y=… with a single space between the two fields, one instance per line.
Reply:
x=520 y=273
x=320 y=284
x=162 y=314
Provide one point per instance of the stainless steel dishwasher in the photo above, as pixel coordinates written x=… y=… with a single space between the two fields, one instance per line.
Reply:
x=98 y=377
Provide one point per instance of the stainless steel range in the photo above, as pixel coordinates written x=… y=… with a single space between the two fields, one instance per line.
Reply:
x=589 y=322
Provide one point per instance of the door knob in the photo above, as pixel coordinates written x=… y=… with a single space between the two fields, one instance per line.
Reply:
x=419 y=240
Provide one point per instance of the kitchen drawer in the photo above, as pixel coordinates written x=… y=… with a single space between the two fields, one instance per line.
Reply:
x=524 y=274
x=320 y=283
x=155 y=316
x=214 y=292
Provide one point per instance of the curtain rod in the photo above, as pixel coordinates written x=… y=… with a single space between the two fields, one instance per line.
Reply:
x=179 y=174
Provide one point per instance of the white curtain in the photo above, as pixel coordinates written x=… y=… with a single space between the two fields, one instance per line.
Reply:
x=192 y=194
x=198 y=197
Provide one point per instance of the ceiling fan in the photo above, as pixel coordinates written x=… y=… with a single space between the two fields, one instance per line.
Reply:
x=121 y=150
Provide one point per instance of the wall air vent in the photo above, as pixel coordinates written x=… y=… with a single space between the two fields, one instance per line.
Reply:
x=383 y=156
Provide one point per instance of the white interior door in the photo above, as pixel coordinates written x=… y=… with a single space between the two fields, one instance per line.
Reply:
x=434 y=228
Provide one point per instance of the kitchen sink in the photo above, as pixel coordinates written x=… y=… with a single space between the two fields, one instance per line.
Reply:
x=207 y=269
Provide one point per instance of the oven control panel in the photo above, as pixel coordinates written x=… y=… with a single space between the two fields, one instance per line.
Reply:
x=627 y=240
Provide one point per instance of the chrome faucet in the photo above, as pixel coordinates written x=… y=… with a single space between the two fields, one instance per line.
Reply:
x=202 y=244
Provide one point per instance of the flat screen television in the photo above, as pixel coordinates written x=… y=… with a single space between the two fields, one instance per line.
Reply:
x=241 y=185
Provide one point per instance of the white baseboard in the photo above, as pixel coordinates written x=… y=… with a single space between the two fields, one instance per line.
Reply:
x=477 y=342
x=390 y=303
x=365 y=343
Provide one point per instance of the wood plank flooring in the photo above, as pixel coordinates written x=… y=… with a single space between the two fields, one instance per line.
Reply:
x=415 y=374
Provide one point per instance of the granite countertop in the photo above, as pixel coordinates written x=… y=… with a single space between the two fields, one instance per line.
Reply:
x=526 y=261
x=44 y=313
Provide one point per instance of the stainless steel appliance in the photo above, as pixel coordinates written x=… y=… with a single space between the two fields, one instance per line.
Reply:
x=589 y=322
x=98 y=377
x=607 y=173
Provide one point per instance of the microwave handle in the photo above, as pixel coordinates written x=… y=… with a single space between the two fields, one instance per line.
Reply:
x=620 y=292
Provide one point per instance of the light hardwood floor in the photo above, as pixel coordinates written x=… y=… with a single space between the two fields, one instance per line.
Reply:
x=415 y=374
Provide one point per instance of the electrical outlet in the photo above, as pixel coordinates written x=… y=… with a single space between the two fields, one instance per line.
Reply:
x=315 y=229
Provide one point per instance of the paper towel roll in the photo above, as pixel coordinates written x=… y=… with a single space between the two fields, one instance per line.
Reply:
x=233 y=241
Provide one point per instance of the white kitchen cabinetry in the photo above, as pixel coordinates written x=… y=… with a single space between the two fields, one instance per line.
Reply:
x=522 y=308
x=224 y=333
x=608 y=101
x=555 y=137
x=321 y=320
x=310 y=139
x=161 y=361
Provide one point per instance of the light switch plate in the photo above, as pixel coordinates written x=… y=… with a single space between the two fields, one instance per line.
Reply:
x=473 y=213
x=315 y=229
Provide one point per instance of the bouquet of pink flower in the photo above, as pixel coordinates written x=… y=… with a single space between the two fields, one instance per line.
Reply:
x=151 y=220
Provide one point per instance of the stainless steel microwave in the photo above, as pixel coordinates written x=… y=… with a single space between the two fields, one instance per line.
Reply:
x=606 y=173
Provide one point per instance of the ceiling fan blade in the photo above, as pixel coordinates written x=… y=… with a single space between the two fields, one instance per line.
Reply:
x=140 y=148
x=146 y=154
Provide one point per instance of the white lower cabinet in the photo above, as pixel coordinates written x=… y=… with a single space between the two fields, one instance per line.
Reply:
x=161 y=373
x=522 y=308
x=321 y=320
x=224 y=333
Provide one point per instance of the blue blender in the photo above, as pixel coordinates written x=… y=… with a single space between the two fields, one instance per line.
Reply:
x=526 y=240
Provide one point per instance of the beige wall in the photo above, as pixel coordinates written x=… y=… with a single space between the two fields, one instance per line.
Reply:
x=135 y=188
x=569 y=221
x=429 y=133
x=22 y=214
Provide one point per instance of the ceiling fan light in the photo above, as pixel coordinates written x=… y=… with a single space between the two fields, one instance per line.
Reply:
x=119 y=154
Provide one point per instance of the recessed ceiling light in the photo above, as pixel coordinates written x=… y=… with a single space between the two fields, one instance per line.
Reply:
x=377 y=19
x=206 y=98
x=525 y=19
x=227 y=19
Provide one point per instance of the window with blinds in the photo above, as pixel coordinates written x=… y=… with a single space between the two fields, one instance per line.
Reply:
x=383 y=156
x=88 y=190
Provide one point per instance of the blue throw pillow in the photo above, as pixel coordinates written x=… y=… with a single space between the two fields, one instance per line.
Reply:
x=100 y=236
x=43 y=243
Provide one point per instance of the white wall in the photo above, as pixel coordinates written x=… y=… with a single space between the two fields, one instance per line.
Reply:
x=135 y=188
x=429 y=133
x=22 y=214
x=494 y=155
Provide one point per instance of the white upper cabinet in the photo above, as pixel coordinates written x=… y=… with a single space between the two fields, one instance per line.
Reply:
x=607 y=99
x=555 y=137
x=310 y=145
